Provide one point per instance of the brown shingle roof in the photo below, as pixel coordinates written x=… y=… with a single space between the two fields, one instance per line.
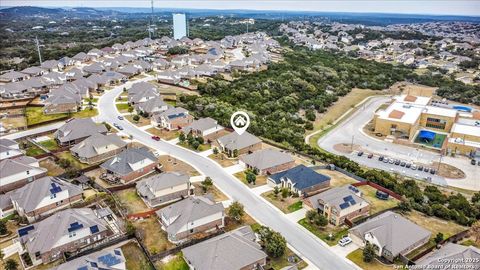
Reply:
x=396 y=114
x=410 y=98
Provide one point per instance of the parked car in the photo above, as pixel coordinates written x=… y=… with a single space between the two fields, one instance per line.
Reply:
x=120 y=117
x=370 y=155
x=403 y=163
x=118 y=126
x=408 y=165
x=420 y=168
x=344 y=241
x=473 y=162
x=426 y=169
x=380 y=158
x=156 y=138
x=360 y=153
x=391 y=161
x=414 y=167
x=432 y=171
x=397 y=162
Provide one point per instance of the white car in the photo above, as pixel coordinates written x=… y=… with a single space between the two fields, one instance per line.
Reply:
x=344 y=241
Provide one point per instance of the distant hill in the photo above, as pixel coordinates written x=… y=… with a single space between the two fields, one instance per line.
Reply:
x=27 y=10
x=78 y=11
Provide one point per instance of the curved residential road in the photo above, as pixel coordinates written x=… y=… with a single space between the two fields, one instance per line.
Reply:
x=316 y=251
x=353 y=126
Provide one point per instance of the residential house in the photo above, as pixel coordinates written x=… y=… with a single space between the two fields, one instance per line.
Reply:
x=98 y=147
x=66 y=231
x=13 y=76
x=193 y=215
x=160 y=64
x=76 y=130
x=15 y=90
x=234 y=250
x=80 y=58
x=300 y=180
x=9 y=149
x=466 y=257
x=62 y=100
x=17 y=172
x=164 y=188
x=94 y=68
x=106 y=259
x=340 y=203
x=141 y=92
x=267 y=161
x=129 y=70
x=391 y=235
x=169 y=77
x=172 y=119
x=34 y=71
x=152 y=105
x=43 y=197
x=207 y=128
x=235 y=144
x=50 y=65
x=130 y=164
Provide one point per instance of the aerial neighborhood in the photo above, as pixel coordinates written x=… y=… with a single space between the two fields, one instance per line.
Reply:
x=127 y=154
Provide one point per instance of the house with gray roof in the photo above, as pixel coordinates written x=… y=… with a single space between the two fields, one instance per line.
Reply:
x=193 y=215
x=9 y=149
x=340 y=203
x=141 y=92
x=172 y=119
x=301 y=180
x=13 y=76
x=164 y=188
x=98 y=147
x=14 y=90
x=94 y=68
x=207 y=128
x=80 y=58
x=169 y=76
x=43 y=197
x=63 y=100
x=129 y=165
x=152 y=105
x=234 y=250
x=105 y=259
x=19 y=171
x=391 y=234
x=50 y=65
x=76 y=130
x=74 y=229
x=129 y=70
x=267 y=161
x=466 y=257
x=34 y=71
x=240 y=144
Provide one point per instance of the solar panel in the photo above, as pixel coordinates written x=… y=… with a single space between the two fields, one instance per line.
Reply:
x=117 y=252
x=94 y=229
x=344 y=205
x=94 y=264
x=83 y=268
x=109 y=260
x=24 y=231
x=55 y=188
x=75 y=226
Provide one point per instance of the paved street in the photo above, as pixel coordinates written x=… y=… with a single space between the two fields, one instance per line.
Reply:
x=352 y=127
x=304 y=242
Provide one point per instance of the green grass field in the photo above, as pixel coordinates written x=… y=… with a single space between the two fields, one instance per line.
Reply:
x=35 y=115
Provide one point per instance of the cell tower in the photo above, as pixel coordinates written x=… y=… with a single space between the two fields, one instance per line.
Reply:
x=38 y=50
x=151 y=29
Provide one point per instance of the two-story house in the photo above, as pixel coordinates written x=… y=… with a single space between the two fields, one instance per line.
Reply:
x=164 y=188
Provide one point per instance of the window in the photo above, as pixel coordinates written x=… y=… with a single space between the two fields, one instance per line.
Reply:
x=72 y=234
x=53 y=195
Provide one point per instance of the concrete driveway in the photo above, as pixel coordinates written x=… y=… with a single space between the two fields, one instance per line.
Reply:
x=344 y=251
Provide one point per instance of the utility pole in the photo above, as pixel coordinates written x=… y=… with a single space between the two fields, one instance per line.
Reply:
x=151 y=22
x=38 y=50
x=440 y=161
x=351 y=145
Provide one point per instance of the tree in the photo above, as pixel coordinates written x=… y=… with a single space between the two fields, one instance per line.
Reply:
x=3 y=228
x=11 y=264
x=285 y=193
x=206 y=184
x=235 y=211
x=181 y=138
x=368 y=253
x=195 y=144
x=405 y=206
x=439 y=238
x=107 y=126
x=2 y=255
x=130 y=229
x=475 y=230
x=310 y=115
x=136 y=118
x=476 y=197
x=316 y=218
x=235 y=153
x=276 y=191
x=200 y=140
x=251 y=177
x=130 y=109
x=215 y=150
x=64 y=163
x=274 y=243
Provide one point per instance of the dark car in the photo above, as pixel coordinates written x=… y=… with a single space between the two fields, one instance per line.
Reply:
x=473 y=162
x=420 y=168
x=156 y=138
x=370 y=155
x=426 y=169
x=397 y=162
x=432 y=171
x=403 y=163
x=120 y=117
x=360 y=153
x=380 y=158
x=408 y=165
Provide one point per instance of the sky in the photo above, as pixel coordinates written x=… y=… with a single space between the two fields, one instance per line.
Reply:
x=439 y=7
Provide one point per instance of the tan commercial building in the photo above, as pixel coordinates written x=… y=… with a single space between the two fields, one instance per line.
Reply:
x=464 y=139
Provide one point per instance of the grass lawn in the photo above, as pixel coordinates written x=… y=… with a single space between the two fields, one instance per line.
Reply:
x=154 y=239
x=295 y=206
x=324 y=121
x=357 y=257
x=281 y=262
x=85 y=113
x=435 y=225
x=33 y=150
x=141 y=122
x=172 y=164
x=377 y=205
x=279 y=202
x=337 y=179
x=221 y=159
x=52 y=167
x=261 y=179
x=175 y=263
x=201 y=148
x=35 y=115
x=122 y=107
x=163 y=133
x=14 y=257
x=437 y=141
x=73 y=161
x=14 y=122
x=217 y=194
x=49 y=144
x=323 y=233
x=135 y=258
x=130 y=200
x=171 y=102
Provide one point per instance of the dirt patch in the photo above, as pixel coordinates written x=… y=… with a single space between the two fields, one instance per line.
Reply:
x=412 y=89
x=346 y=147
x=449 y=171
x=51 y=166
x=172 y=164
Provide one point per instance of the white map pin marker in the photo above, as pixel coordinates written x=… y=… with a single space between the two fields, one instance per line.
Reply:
x=240 y=122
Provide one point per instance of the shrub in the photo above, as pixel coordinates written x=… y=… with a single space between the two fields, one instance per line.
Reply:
x=235 y=211
x=274 y=243
x=368 y=253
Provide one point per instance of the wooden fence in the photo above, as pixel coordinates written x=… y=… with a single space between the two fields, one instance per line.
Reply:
x=378 y=187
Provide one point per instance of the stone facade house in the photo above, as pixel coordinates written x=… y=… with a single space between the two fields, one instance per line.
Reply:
x=301 y=180
x=267 y=161
x=241 y=144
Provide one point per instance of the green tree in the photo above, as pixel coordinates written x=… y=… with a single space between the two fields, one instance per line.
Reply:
x=130 y=229
x=136 y=118
x=64 y=163
x=476 y=197
x=130 y=109
x=215 y=150
x=195 y=144
x=368 y=253
x=181 y=137
x=316 y=218
x=251 y=177
x=438 y=238
x=236 y=211
x=285 y=193
x=310 y=115
x=274 y=243
x=235 y=153
x=107 y=126
x=3 y=228
x=11 y=264
x=276 y=191
x=206 y=184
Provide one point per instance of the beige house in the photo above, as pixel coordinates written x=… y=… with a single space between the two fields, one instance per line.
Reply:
x=164 y=188
x=98 y=147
